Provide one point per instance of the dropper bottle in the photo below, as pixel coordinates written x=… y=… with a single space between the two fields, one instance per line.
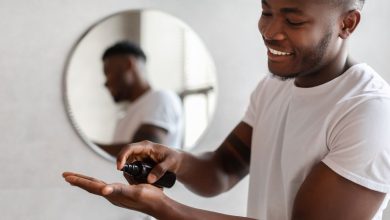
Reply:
x=140 y=170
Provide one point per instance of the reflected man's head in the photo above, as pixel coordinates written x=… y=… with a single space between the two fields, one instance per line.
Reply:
x=124 y=68
x=303 y=36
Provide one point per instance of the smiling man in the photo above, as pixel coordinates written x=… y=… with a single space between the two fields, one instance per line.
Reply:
x=314 y=138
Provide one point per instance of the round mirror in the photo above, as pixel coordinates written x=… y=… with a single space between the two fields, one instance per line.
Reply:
x=114 y=98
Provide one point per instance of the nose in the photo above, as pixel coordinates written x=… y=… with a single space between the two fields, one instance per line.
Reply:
x=272 y=29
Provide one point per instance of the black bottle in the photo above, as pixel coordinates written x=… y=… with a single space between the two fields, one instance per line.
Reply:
x=139 y=171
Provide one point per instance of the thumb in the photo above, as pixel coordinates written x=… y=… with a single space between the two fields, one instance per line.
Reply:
x=107 y=190
x=158 y=171
x=112 y=189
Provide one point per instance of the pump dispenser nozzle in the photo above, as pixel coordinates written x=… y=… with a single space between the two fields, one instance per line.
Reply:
x=140 y=170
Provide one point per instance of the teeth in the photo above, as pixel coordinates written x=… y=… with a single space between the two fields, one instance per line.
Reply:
x=279 y=53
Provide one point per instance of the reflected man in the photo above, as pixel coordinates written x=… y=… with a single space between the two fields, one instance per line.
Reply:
x=154 y=115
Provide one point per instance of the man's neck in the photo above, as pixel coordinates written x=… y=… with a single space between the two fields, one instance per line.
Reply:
x=138 y=92
x=327 y=72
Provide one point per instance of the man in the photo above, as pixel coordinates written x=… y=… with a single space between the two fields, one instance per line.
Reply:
x=154 y=115
x=314 y=138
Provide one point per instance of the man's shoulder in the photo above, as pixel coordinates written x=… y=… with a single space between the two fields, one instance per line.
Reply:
x=362 y=92
x=364 y=72
x=365 y=81
x=163 y=93
x=164 y=97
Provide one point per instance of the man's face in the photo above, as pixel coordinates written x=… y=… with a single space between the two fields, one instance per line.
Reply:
x=116 y=70
x=300 y=35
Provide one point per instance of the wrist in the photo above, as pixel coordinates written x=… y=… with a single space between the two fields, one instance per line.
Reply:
x=163 y=209
x=181 y=156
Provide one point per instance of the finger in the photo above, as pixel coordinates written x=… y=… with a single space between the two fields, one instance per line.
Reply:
x=131 y=192
x=66 y=174
x=131 y=151
x=107 y=190
x=115 y=189
x=159 y=170
x=119 y=195
x=86 y=184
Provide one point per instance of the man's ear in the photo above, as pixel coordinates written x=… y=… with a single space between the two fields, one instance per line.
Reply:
x=133 y=68
x=130 y=62
x=128 y=69
x=349 y=23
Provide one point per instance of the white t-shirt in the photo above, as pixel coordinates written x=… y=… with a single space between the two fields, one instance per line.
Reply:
x=344 y=123
x=159 y=108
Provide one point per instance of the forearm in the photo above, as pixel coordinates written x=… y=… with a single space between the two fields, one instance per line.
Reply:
x=168 y=209
x=112 y=149
x=144 y=132
x=202 y=174
x=215 y=172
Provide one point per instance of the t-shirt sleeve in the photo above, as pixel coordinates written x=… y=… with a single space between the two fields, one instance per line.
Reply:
x=359 y=145
x=252 y=109
x=164 y=110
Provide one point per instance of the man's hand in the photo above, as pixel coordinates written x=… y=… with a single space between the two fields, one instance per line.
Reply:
x=164 y=157
x=142 y=197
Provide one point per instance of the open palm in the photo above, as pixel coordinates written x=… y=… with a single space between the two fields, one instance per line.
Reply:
x=135 y=197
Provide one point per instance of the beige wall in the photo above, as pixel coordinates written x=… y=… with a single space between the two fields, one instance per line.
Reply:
x=37 y=139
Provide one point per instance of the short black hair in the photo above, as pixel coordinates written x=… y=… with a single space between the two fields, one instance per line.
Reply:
x=124 y=48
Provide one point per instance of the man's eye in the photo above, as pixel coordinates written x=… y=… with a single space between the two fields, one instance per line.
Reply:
x=266 y=14
x=294 y=23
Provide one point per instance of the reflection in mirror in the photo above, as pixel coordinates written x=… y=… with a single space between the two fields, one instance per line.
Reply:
x=165 y=91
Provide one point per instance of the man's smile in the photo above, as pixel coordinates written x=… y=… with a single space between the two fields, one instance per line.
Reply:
x=278 y=55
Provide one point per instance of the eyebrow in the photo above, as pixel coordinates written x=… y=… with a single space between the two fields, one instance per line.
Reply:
x=292 y=11
x=285 y=10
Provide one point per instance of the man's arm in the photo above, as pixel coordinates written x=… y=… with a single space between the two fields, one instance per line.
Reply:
x=144 y=132
x=326 y=195
x=169 y=209
x=215 y=172
x=208 y=174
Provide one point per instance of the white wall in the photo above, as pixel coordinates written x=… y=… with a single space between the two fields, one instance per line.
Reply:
x=37 y=141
